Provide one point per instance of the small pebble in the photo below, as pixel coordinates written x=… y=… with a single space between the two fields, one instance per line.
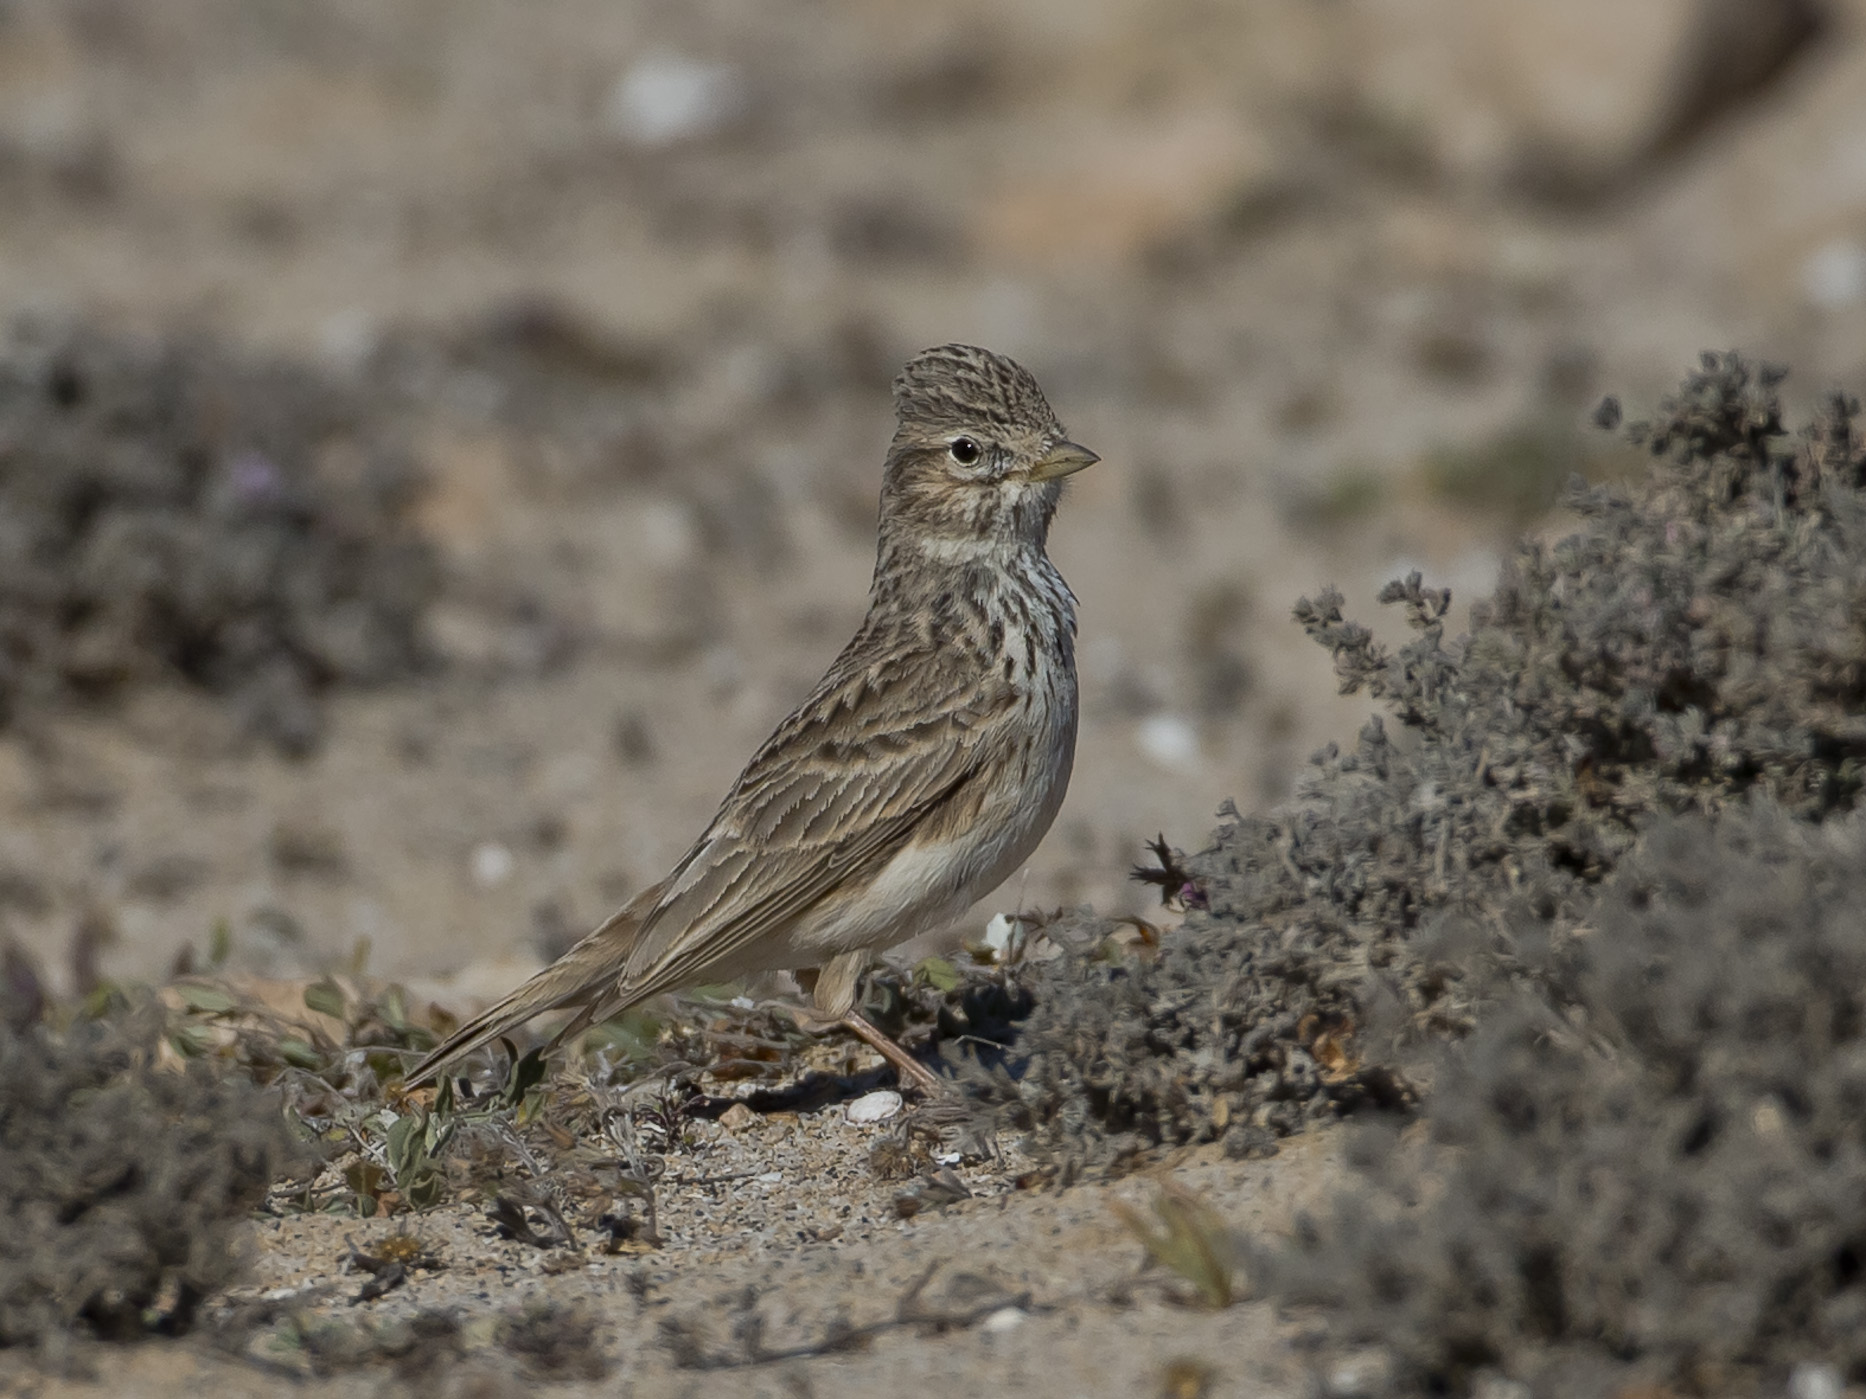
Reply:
x=737 y=1118
x=1367 y=1374
x=667 y=98
x=1814 y=1381
x=1170 y=741
x=998 y=935
x=878 y=1106
x=1834 y=275
x=492 y=864
x=1002 y=1320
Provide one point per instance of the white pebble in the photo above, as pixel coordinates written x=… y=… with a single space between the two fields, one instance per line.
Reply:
x=771 y=1178
x=667 y=98
x=669 y=533
x=878 y=1106
x=1834 y=275
x=349 y=336
x=1002 y=1320
x=998 y=932
x=1814 y=1382
x=1169 y=740
x=1366 y=1374
x=492 y=864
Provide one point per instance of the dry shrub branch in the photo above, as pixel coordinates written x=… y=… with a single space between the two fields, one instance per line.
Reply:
x=1699 y=641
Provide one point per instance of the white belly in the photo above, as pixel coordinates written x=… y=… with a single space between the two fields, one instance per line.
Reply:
x=926 y=886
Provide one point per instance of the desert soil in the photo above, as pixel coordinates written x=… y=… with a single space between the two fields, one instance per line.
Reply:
x=1046 y=1287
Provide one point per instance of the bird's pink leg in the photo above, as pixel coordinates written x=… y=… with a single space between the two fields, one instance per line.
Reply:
x=833 y=988
x=910 y=1069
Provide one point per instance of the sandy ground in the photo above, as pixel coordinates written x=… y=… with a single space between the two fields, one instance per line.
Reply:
x=1052 y=1285
x=1268 y=260
x=1275 y=392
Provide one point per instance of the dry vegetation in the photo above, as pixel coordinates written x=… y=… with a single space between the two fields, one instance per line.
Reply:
x=1698 y=642
x=176 y=510
x=1590 y=861
x=124 y=1183
x=1600 y=892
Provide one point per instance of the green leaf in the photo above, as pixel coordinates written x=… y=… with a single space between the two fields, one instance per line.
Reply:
x=220 y=943
x=631 y=1035
x=427 y=1189
x=106 y=997
x=438 y=1133
x=938 y=973
x=190 y=1041
x=299 y=1054
x=526 y=1074
x=326 y=998
x=208 y=999
x=366 y=1178
x=394 y=1008
x=406 y=1147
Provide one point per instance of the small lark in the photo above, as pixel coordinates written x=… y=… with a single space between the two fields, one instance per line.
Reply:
x=921 y=771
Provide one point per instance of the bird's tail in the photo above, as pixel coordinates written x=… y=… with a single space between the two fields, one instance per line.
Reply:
x=586 y=976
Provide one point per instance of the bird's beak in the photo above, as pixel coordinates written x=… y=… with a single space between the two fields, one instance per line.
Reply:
x=1063 y=459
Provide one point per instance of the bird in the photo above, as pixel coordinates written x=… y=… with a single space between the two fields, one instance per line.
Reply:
x=923 y=769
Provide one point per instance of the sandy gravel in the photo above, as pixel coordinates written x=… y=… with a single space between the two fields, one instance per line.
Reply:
x=784 y=1220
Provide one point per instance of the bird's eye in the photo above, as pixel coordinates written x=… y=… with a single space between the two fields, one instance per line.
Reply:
x=965 y=451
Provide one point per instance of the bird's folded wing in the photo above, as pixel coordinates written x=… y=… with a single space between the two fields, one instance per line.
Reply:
x=819 y=808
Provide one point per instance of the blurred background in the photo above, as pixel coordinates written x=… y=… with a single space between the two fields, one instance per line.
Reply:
x=439 y=438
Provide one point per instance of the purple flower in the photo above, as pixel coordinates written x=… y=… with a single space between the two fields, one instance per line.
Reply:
x=254 y=479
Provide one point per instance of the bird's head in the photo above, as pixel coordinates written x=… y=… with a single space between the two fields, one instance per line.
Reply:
x=978 y=457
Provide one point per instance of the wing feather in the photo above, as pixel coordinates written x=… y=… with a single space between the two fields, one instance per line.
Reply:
x=880 y=752
x=818 y=807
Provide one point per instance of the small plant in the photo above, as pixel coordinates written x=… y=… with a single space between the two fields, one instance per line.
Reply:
x=398 y=1163
x=390 y=1261
x=1189 y=1238
x=124 y=1185
x=667 y=1120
